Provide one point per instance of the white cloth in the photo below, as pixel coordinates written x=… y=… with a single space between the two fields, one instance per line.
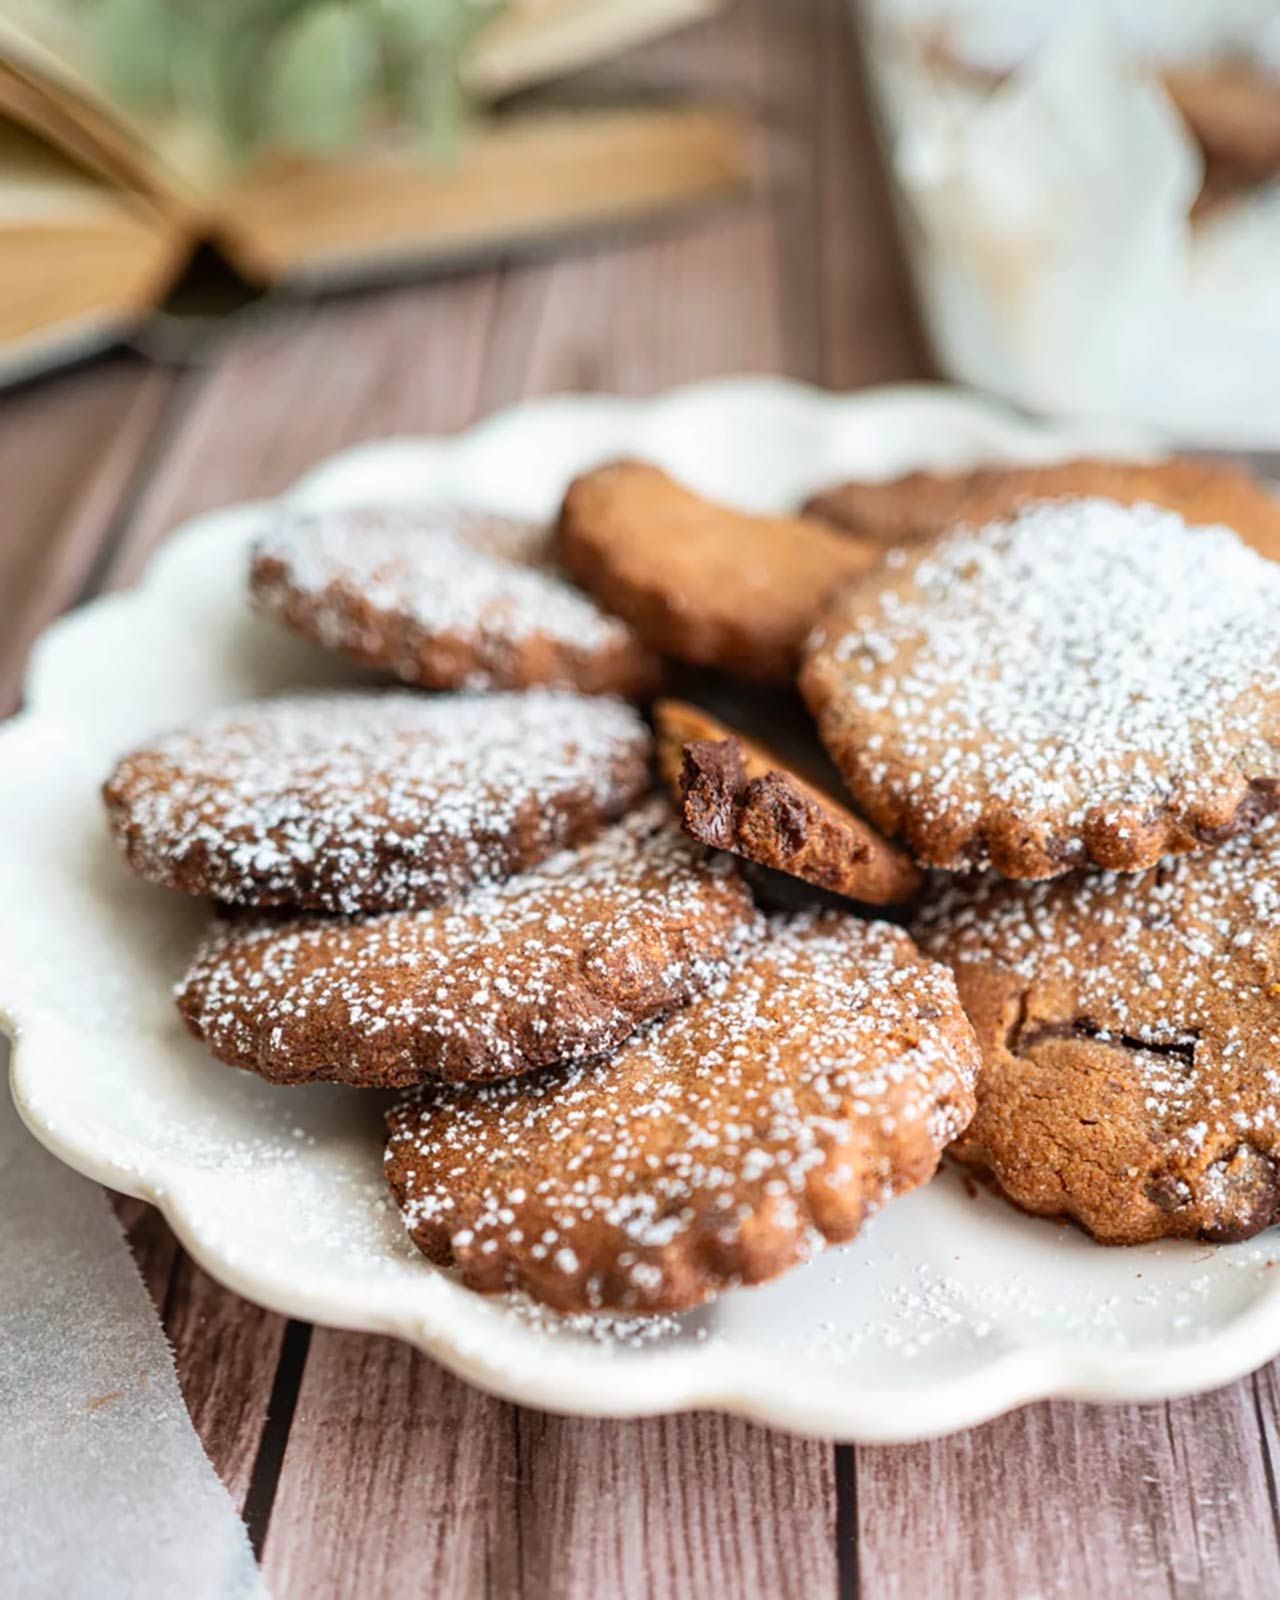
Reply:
x=105 y=1489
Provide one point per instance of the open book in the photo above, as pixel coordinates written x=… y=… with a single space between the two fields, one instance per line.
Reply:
x=101 y=207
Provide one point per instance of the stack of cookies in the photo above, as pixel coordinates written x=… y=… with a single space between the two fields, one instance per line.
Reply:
x=624 y=1085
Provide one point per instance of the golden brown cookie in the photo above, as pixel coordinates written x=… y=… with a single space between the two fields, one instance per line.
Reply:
x=372 y=802
x=444 y=598
x=558 y=964
x=696 y=580
x=925 y=504
x=739 y=796
x=767 y=1119
x=1233 y=109
x=1083 y=684
x=1130 y=1031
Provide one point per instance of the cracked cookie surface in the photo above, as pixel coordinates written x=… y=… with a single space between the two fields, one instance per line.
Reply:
x=374 y=801
x=816 y=1080
x=560 y=963
x=443 y=598
x=1083 y=684
x=1130 y=1031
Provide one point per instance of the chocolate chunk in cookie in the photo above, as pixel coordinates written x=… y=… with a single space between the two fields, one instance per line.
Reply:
x=696 y=580
x=368 y=802
x=1083 y=684
x=1130 y=1033
x=925 y=504
x=444 y=598
x=555 y=965
x=739 y=796
x=817 y=1080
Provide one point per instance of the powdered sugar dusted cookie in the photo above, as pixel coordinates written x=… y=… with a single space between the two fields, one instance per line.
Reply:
x=441 y=597
x=1130 y=1030
x=697 y=580
x=558 y=964
x=739 y=796
x=365 y=802
x=1084 y=683
x=721 y=1146
x=923 y=505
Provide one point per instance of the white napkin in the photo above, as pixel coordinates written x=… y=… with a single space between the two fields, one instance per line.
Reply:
x=1049 y=224
x=105 y=1490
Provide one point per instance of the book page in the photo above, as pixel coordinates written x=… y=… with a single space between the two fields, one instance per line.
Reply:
x=532 y=41
x=517 y=179
x=74 y=253
x=43 y=44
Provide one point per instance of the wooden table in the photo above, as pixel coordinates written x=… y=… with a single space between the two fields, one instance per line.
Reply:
x=362 y=1468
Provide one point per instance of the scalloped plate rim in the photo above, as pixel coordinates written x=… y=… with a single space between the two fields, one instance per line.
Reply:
x=670 y=1380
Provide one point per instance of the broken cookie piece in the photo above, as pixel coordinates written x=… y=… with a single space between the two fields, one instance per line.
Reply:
x=739 y=796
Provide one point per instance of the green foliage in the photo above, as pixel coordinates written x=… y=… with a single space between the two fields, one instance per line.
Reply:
x=313 y=76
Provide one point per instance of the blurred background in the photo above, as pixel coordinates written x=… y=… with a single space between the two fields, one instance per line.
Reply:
x=1089 y=194
x=238 y=234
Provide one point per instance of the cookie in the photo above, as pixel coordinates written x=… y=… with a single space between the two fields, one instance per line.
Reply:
x=722 y=1146
x=696 y=580
x=925 y=504
x=1129 y=1027
x=1233 y=110
x=1083 y=684
x=444 y=598
x=369 y=802
x=739 y=796
x=558 y=964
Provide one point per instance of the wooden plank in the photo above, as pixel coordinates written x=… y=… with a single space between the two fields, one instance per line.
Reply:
x=686 y=1505
x=632 y=319
x=69 y=448
x=870 y=325
x=305 y=382
x=397 y=1480
x=1063 y=1500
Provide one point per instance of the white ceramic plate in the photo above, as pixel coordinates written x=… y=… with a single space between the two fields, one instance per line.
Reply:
x=950 y=1308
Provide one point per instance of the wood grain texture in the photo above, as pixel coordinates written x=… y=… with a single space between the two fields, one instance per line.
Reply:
x=304 y=383
x=397 y=1480
x=69 y=449
x=1061 y=1500
x=691 y=1505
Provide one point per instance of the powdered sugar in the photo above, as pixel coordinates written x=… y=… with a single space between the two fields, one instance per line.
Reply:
x=347 y=802
x=1177 y=968
x=557 y=964
x=1054 y=685
x=810 y=1084
x=478 y=587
